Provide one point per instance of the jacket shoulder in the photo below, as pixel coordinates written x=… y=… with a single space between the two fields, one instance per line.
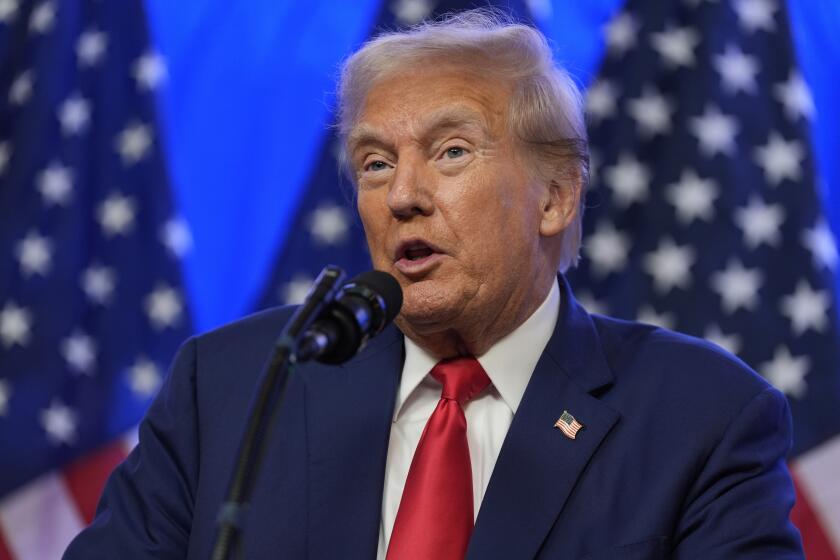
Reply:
x=254 y=333
x=676 y=363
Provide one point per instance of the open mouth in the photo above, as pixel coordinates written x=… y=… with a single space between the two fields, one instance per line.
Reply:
x=417 y=252
x=415 y=256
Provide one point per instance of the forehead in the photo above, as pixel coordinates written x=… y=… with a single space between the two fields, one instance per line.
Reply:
x=414 y=101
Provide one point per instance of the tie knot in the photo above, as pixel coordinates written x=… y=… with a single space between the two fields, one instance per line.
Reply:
x=462 y=378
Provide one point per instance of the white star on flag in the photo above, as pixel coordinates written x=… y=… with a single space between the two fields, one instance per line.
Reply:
x=42 y=18
x=91 y=47
x=628 y=179
x=35 y=254
x=74 y=115
x=760 y=222
x=755 y=14
x=163 y=307
x=8 y=10
x=796 y=97
x=144 y=378
x=329 y=224
x=737 y=70
x=621 y=33
x=676 y=46
x=780 y=159
x=601 y=100
x=21 y=89
x=820 y=242
x=15 y=325
x=55 y=184
x=150 y=71
x=670 y=265
x=5 y=396
x=692 y=197
x=737 y=286
x=296 y=290
x=79 y=351
x=730 y=342
x=133 y=142
x=806 y=308
x=715 y=132
x=787 y=372
x=177 y=237
x=60 y=422
x=116 y=214
x=98 y=283
x=607 y=249
x=647 y=314
x=409 y=12
x=652 y=112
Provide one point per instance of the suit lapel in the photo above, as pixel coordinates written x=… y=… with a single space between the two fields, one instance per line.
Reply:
x=349 y=411
x=538 y=466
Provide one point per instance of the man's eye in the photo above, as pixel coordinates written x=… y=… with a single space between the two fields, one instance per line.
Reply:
x=455 y=152
x=377 y=165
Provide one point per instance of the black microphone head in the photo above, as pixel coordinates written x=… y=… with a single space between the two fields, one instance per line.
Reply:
x=385 y=286
x=363 y=307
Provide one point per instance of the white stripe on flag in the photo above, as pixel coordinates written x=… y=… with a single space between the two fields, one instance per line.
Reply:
x=40 y=519
x=817 y=472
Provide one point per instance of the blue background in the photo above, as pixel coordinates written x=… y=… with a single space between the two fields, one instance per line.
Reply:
x=249 y=98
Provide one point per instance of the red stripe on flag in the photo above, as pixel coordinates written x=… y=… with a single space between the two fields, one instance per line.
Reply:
x=5 y=554
x=86 y=477
x=814 y=540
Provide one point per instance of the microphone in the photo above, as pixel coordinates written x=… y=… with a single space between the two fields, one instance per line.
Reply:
x=361 y=309
x=344 y=320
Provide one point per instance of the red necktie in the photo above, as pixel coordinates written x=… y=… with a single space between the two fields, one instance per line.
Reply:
x=435 y=517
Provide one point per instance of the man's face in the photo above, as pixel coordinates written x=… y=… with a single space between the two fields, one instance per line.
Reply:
x=445 y=196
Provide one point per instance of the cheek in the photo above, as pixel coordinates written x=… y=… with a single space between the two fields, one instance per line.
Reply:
x=475 y=217
x=500 y=226
x=373 y=215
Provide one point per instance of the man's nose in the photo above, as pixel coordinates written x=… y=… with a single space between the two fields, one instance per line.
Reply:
x=410 y=194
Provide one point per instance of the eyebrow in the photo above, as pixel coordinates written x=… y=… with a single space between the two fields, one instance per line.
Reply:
x=446 y=118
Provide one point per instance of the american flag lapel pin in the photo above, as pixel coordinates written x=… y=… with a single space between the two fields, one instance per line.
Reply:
x=568 y=425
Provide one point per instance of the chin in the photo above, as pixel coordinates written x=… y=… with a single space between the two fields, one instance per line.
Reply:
x=427 y=305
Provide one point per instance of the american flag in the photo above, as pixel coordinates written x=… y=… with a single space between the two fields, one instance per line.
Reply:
x=91 y=306
x=568 y=425
x=704 y=213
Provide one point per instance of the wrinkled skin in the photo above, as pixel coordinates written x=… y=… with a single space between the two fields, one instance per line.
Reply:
x=436 y=165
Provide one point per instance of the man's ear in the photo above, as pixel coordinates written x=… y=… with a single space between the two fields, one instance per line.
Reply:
x=560 y=203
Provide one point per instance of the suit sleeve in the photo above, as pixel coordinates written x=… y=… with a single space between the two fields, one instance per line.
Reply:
x=146 y=508
x=739 y=506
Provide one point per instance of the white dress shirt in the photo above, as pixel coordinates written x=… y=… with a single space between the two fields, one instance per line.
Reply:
x=509 y=365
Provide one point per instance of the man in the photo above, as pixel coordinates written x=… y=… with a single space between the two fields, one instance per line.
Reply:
x=498 y=400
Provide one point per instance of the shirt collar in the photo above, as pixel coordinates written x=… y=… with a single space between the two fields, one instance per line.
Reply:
x=509 y=363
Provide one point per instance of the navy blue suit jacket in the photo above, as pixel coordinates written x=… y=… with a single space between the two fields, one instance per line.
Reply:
x=682 y=454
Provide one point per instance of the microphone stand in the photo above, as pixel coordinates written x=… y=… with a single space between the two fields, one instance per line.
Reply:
x=266 y=403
